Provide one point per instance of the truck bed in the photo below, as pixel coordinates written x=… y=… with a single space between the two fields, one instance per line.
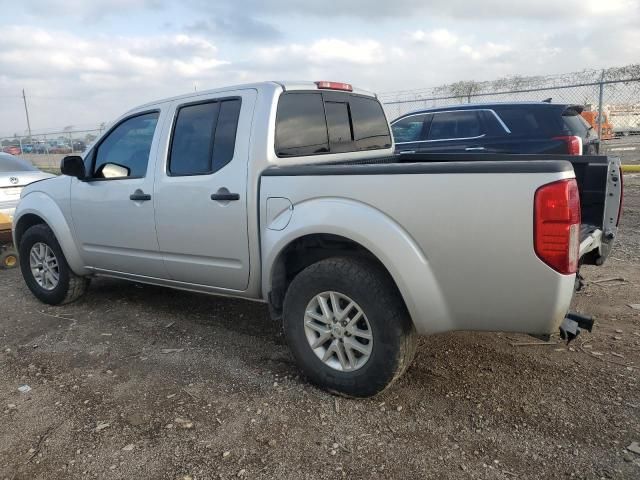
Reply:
x=456 y=236
x=599 y=182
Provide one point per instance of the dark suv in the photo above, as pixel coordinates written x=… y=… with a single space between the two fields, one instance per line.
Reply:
x=519 y=127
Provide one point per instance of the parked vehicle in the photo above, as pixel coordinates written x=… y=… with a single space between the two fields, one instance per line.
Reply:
x=12 y=150
x=41 y=147
x=60 y=148
x=288 y=193
x=79 y=146
x=593 y=119
x=519 y=127
x=15 y=174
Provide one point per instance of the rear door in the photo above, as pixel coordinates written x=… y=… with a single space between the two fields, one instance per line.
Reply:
x=201 y=191
x=455 y=131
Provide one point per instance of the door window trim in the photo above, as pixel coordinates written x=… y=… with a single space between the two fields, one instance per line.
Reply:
x=174 y=122
x=504 y=126
x=94 y=150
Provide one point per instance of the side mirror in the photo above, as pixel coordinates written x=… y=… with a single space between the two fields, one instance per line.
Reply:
x=73 y=166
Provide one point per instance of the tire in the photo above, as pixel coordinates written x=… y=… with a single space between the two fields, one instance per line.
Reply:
x=8 y=259
x=384 y=317
x=69 y=286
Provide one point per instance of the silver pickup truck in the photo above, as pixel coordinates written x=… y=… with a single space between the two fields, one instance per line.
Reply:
x=288 y=193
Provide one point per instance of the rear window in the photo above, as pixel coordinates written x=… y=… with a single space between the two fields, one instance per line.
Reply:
x=370 y=126
x=301 y=128
x=575 y=123
x=313 y=123
x=9 y=163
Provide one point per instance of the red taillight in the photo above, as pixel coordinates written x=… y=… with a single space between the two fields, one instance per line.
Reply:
x=557 y=225
x=573 y=142
x=334 y=86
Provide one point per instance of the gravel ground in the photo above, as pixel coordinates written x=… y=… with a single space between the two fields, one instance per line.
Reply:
x=136 y=381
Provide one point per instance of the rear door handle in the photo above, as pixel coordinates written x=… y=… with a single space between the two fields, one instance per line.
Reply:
x=472 y=149
x=225 y=196
x=139 y=196
x=407 y=152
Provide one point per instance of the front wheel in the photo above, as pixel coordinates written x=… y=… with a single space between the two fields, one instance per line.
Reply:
x=45 y=269
x=348 y=327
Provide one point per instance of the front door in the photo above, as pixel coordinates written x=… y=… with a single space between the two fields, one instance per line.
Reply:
x=201 y=191
x=112 y=209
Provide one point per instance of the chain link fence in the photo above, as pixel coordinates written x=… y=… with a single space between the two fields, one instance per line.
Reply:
x=610 y=97
x=611 y=100
x=46 y=149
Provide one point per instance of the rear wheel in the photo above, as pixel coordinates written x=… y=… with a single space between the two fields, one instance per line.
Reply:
x=347 y=326
x=45 y=269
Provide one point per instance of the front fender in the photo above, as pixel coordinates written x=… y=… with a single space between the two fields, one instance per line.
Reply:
x=378 y=233
x=42 y=205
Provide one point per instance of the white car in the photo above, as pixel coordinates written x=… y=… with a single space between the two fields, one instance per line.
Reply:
x=15 y=174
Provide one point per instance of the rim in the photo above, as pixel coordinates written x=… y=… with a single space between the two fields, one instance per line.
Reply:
x=44 y=266
x=338 y=331
x=10 y=261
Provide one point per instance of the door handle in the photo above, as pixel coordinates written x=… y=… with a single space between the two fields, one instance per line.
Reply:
x=471 y=149
x=407 y=152
x=225 y=196
x=139 y=196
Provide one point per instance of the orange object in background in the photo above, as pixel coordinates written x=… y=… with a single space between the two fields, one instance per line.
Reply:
x=607 y=127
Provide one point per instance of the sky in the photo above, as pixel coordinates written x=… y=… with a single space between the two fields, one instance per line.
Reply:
x=85 y=62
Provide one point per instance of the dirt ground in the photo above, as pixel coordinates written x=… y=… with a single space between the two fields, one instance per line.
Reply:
x=135 y=381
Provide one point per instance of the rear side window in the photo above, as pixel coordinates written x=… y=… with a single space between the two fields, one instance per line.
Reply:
x=331 y=122
x=301 y=128
x=409 y=129
x=453 y=125
x=528 y=121
x=204 y=137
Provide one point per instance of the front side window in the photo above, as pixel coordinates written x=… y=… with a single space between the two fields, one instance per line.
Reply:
x=452 y=125
x=204 y=137
x=409 y=129
x=124 y=153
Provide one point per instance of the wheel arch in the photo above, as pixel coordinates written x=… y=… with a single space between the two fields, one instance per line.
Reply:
x=352 y=228
x=38 y=208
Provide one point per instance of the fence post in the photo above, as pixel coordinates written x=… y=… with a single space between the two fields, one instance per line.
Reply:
x=600 y=105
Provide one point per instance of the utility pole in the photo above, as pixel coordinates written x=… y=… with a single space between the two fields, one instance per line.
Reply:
x=26 y=111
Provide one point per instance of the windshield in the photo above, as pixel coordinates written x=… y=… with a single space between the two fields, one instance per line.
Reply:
x=9 y=163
